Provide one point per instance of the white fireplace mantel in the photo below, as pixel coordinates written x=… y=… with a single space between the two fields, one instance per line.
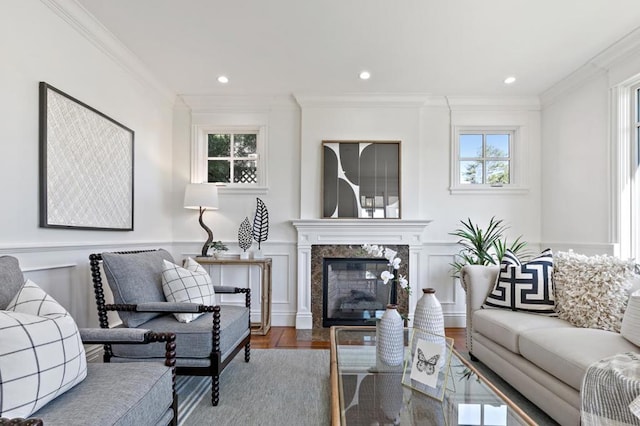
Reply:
x=352 y=231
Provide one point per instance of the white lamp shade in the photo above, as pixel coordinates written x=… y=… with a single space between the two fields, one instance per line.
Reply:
x=203 y=195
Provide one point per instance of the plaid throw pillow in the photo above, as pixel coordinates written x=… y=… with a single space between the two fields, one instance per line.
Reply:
x=191 y=284
x=524 y=287
x=41 y=354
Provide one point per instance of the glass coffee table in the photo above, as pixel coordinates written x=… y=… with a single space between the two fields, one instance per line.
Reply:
x=361 y=394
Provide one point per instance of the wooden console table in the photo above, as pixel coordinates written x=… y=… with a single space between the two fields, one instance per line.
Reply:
x=264 y=325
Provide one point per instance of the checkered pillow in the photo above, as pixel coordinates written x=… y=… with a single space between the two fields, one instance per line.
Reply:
x=41 y=354
x=189 y=284
x=524 y=287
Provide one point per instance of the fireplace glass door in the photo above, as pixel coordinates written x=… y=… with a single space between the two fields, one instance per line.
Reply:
x=353 y=293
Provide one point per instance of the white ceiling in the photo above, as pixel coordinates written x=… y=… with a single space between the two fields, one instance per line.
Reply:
x=440 y=47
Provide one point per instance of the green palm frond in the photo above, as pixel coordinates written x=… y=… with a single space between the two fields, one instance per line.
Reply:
x=483 y=246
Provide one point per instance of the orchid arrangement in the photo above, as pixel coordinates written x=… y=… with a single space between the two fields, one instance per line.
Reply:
x=391 y=274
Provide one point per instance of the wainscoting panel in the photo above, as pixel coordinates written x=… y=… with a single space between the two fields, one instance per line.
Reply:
x=448 y=289
x=440 y=278
x=56 y=281
x=283 y=276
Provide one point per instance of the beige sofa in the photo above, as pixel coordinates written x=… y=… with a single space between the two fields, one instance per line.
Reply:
x=544 y=358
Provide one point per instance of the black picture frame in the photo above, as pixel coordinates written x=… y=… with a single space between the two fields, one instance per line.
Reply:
x=86 y=166
x=361 y=179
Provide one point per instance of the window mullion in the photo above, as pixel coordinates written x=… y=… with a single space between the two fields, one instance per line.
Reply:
x=484 y=157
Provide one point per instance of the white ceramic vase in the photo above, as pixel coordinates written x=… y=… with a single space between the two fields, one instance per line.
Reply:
x=428 y=315
x=390 y=337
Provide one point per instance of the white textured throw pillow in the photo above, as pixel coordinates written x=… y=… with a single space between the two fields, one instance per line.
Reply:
x=189 y=284
x=41 y=354
x=591 y=291
x=631 y=321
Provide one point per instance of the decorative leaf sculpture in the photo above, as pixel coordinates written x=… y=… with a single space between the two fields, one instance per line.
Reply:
x=244 y=235
x=261 y=223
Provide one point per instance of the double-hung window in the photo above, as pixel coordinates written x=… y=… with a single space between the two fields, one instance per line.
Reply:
x=231 y=156
x=483 y=160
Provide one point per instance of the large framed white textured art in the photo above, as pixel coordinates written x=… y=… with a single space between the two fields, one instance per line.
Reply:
x=361 y=179
x=86 y=166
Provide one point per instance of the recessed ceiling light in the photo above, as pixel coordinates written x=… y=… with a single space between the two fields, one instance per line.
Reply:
x=223 y=79
x=510 y=80
x=365 y=75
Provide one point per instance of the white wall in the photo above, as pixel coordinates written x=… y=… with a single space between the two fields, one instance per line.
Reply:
x=579 y=165
x=282 y=119
x=575 y=167
x=423 y=124
x=37 y=44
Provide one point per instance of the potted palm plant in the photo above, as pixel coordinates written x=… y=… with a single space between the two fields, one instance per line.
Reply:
x=484 y=246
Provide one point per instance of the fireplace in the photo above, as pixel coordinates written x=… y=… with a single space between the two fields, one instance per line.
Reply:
x=319 y=253
x=352 y=291
x=320 y=238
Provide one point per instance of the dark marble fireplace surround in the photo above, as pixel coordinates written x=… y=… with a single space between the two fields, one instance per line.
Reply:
x=319 y=252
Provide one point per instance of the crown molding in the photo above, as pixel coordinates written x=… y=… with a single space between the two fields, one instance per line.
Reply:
x=600 y=64
x=91 y=29
x=493 y=103
x=368 y=100
x=244 y=103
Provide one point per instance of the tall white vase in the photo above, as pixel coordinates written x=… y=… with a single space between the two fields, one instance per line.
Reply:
x=428 y=315
x=390 y=337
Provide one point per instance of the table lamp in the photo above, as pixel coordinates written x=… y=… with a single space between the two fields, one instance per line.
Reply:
x=202 y=196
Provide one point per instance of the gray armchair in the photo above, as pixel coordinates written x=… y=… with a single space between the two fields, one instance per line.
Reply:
x=205 y=346
x=141 y=393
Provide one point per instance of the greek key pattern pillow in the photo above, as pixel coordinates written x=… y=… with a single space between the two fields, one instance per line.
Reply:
x=41 y=354
x=191 y=284
x=524 y=286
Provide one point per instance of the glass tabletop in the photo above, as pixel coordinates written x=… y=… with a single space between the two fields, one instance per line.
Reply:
x=365 y=394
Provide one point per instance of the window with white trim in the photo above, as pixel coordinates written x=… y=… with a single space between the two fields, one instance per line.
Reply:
x=634 y=157
x=483 y=159
x=230 y=156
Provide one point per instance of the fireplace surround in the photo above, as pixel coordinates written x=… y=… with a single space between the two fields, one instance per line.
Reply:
x=342 y=252
x=354 y=233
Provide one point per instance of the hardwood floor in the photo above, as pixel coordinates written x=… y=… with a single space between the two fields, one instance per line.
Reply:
x=290 y=338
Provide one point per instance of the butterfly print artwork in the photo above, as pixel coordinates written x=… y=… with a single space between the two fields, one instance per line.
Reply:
x=425 y=365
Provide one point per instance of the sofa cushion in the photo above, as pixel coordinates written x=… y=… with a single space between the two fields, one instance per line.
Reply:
x=41 y=355
x=524 y=287
x=135 y=278
x=504 y=327
x=566 y=353
x=11 y=278
x=191 y=284
x=631 y=321
x=137 y=393
x=592 y=291
x=193 y=340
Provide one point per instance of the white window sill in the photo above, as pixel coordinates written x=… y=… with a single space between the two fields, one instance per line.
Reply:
x=260 y=190
x=488 y=190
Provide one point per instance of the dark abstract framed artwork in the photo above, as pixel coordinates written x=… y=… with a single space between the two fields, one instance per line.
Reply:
x=86 y=166
x=361 y=179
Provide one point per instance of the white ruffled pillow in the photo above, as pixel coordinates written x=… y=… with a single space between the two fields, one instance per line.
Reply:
x=41 y=353
x=191 y=284
x=591 y=291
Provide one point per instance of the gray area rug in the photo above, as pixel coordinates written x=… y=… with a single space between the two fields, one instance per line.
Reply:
x=277 y=387
x=286 y=387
